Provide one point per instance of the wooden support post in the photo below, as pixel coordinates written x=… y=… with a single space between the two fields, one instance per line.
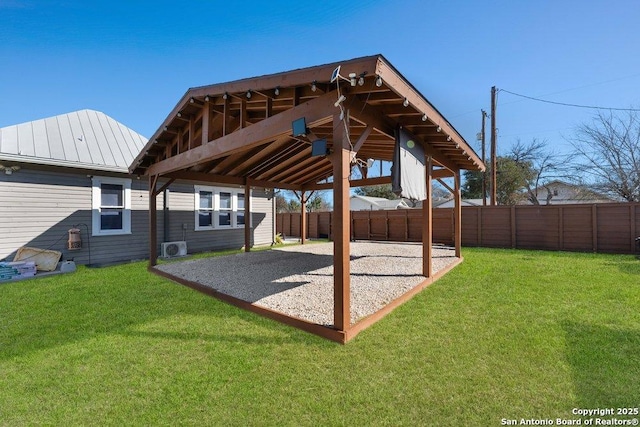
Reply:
x=153 y=221
x=341 y=256
x=427 y=221
x=303 y=217
x=247 y=216
x=206 y=118
x=457 y=216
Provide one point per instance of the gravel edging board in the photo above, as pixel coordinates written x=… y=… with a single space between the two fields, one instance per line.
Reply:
x=298 y=280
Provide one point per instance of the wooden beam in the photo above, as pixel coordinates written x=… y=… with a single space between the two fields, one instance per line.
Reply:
x=268 y=129
x=363 y=137
x=206 y=118
x=341 y=256
x=165 y=186
x=153 y=221
x=445 y=185
x=457 y=216
x=427 y=222
x=303 y=217
x=226 y=179
x=354 y=183
x=226 y=113
x=247 y=216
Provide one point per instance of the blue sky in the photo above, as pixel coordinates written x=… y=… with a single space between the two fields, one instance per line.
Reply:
x=133 y=60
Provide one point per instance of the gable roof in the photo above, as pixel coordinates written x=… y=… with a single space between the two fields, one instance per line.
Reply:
x=241 y=130
x=85 y=139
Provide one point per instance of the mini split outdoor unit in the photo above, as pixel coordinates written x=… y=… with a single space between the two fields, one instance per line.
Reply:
x=171 y=249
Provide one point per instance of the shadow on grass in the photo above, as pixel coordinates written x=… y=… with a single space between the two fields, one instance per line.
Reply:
x=50 y=312
x=605 y=364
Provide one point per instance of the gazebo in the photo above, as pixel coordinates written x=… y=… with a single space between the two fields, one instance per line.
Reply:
x=306 y=130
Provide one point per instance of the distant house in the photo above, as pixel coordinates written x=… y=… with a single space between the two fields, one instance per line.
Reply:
x=366 y=203
x=562 y=193
x=71 y=171
x=464 y=202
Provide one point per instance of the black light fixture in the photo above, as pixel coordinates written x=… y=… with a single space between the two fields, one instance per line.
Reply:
x=249 y=94
x=277 y=91
x=206 y=98
x=378 y=81
x=424 y=117
x=405 y=102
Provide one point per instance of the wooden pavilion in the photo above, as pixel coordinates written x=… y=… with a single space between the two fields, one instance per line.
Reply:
x=241 y=133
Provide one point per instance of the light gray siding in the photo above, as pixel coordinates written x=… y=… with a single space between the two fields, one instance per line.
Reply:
x=262 y=217
x=181 y=219
x=38 y=207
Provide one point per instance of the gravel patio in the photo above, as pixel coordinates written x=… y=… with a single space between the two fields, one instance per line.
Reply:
x=298 y=280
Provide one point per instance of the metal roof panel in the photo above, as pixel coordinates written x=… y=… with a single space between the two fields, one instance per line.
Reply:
x=85 y=139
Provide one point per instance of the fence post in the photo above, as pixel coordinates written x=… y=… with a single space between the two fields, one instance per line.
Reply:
x=513 y=226
x=594 y=227
x=560 y=229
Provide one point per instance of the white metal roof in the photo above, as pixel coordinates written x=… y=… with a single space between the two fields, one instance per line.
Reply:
x=84 y=139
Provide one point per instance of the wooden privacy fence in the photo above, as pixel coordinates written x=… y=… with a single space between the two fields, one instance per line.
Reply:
x=604 y=227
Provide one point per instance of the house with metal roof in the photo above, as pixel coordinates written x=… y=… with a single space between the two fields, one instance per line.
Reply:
x=70 y=172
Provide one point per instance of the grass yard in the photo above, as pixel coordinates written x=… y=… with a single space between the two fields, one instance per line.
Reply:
x=507 y=334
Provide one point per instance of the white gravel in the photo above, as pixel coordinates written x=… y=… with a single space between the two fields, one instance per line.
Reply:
x=298 y=280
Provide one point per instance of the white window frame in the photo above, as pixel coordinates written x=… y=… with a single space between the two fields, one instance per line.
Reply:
x=217 y=208
x=96 y=205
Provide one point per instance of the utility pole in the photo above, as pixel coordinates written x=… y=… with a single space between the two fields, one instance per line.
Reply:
x=484 y=174
x=493 y=148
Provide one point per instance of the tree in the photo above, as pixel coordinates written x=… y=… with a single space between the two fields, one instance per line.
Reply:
x=538 y=166
x=472 y=187
x=607 y=151
x=521 y=173
x=317 y=203
x=286 y=205
x=382 y=190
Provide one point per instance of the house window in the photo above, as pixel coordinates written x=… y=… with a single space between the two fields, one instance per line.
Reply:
x=205 y=211
x=218 y=208
x=111 y=206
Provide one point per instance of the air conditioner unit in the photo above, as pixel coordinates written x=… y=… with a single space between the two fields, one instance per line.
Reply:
x=173 y=249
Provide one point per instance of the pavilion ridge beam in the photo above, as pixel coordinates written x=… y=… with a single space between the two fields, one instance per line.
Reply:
x=251 y=136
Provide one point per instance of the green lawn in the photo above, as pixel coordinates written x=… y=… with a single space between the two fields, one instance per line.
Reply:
x=507 y=334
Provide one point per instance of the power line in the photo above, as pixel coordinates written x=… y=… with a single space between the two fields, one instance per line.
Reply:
x=570 y=105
